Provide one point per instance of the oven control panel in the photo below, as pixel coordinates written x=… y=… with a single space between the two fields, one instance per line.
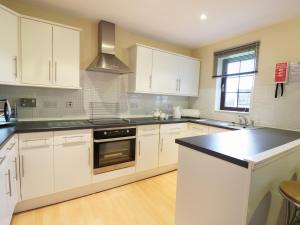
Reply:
x=115 y=133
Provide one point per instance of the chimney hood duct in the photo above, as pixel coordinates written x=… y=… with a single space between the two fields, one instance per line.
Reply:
x=106 y=61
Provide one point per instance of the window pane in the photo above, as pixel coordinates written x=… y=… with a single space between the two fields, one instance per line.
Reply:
x=232 y=84
x=233 y=67
x=247 y=65
x=244 y=100
x=246 y=83
x=231 y=100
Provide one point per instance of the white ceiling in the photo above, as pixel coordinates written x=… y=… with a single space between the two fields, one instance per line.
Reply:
x=178 y=21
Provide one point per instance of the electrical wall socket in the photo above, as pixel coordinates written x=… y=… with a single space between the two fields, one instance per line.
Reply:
x=69 y=104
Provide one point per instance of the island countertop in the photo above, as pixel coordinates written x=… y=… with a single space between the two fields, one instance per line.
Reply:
x=243 y=146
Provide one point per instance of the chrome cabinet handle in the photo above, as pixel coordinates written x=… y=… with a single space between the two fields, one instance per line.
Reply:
x=2 y=159
x=49 y=70
x=176 y=84
x=161 y=147
x=11 y=147
x=150 y=81
x=89 y=161
x=22 y=163
x=139 y=148
x=55 y=66
x=9 y=183
x=16 y=66
x=179 y=84
x=16 y=169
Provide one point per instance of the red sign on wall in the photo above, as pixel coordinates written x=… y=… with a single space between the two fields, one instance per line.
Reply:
x=281 y=72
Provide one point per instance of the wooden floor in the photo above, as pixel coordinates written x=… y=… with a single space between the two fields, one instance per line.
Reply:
x=147 y=202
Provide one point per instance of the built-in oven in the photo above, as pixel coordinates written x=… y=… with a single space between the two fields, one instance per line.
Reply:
x=114 y=149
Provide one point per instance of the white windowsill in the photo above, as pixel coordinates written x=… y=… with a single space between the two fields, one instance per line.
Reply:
x=227 y=111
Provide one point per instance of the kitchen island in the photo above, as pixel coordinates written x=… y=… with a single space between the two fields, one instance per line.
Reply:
x=232 y=178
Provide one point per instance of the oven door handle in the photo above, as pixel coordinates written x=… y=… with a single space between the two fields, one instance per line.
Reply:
x=114 y=139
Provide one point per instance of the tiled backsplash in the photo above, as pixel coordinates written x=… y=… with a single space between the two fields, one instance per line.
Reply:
x=283 y=112
x=107 y=93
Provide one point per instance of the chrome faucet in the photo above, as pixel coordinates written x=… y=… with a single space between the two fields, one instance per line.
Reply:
x=241 y=117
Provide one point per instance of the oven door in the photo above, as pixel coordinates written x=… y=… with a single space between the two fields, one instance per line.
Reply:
x=113 y=154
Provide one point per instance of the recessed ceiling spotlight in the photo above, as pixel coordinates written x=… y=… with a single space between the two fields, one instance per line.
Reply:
x=203 y=16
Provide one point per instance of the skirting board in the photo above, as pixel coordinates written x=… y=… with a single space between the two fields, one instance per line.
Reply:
x=89 y=189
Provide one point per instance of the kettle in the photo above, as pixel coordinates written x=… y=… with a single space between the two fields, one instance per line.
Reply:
x=5 y=109
x=176 y=112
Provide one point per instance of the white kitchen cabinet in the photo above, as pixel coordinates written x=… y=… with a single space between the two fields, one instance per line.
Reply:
x=147 y=147
x=141 y=62
x=214 y=130
x=165 y=72
x=36 y=48
x=36 y=164
x=161 y=72
x=8 y=180
x=197 y=130
x=168 y=153
x=72 y=159
x=50 y=54
x=189 y=76
x=66 y=57
x=8 y=46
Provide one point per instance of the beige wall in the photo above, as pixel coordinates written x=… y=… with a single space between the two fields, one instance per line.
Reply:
x=89 y=44
x=280 y=42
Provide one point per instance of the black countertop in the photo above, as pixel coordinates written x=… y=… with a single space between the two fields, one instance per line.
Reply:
x=236 y=146
x=57 y=125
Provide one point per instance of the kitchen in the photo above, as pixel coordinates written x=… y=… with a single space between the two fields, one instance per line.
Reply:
x=87 y=139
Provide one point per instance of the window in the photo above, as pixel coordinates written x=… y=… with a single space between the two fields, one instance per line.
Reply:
x=236 y=69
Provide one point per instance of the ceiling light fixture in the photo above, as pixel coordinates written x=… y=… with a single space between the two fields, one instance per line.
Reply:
x=203 y=17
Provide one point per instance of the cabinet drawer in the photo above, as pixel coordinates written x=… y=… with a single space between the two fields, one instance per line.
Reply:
x=202 y=129
x=172 y=128
x=32 y=140
x=72 y=136
x=9 y=145
x=147 y=130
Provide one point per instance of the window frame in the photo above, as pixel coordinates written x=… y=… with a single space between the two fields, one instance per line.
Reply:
x=223 y=89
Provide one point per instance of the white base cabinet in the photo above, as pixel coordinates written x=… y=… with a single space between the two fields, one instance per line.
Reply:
x=8 y=180
x=72 y=159
x=36 y=164
x=147 y=147
x=168 y=153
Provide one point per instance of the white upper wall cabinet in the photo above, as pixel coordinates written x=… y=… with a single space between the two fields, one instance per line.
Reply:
x=50 y=54
x=160 y=72
x=66 y=55
x=36 y=49
x=8 y=46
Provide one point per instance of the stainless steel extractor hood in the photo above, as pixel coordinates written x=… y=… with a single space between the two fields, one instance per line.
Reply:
x=106 y=61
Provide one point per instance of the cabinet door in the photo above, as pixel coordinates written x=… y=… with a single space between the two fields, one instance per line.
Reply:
x=72 y=166
x=13 y=173
x=8 y=46
x=36 y=171
x=165 y=73
x=36 y=48
x=147 y=152
x=4 y=211
x=144 y=69
x=189 y=76
x=169 y=149
x=66 y=57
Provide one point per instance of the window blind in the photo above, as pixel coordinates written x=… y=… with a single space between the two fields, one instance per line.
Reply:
x=236 y=54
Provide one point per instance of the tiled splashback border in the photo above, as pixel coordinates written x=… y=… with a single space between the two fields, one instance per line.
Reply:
x=107 y=93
